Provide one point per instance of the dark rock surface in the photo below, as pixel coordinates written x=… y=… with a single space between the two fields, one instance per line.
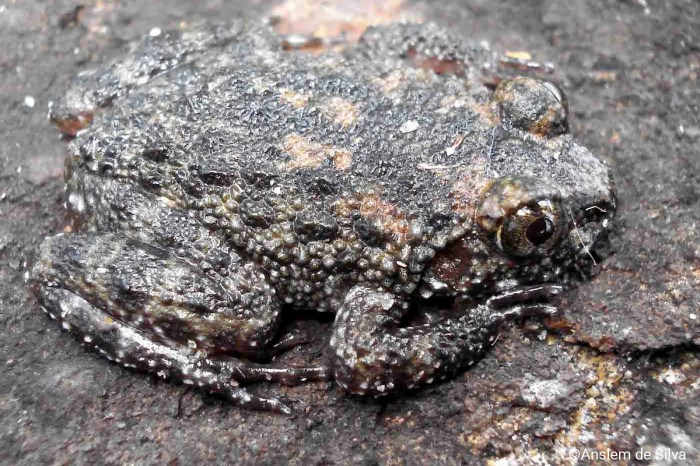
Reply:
x=618 y=373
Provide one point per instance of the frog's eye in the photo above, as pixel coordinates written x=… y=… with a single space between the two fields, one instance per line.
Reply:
x=539 y=107
x=521 y=216
x=530 y=230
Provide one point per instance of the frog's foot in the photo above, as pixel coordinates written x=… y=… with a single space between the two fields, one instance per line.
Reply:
x=374 y=355
x=146 y=308
x=521 y=303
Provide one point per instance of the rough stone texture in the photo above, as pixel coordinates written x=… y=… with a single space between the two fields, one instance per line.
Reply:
x=619 y=371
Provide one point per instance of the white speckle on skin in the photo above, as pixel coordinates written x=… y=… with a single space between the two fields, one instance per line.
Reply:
x=387 y=301
x=77 y=202
x=29 y=101
x=87 y=339
x=409 y=126
x=155 y=32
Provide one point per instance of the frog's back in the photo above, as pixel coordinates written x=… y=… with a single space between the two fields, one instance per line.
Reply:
x=328 y=170
x=326 y=131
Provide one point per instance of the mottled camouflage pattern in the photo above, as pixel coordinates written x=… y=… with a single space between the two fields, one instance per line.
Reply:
x=223 y=181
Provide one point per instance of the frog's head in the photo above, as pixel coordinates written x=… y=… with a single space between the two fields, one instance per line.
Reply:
x=543 y=209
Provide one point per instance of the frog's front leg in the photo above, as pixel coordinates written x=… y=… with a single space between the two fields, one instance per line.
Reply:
x=145 y=308
x=374 y=355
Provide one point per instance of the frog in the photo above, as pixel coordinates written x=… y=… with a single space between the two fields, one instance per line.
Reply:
x=218 y=181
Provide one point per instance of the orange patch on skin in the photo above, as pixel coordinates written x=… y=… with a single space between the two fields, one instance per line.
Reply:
x=390 y=82
x=453 y=263
x=466 y=191
x=294 y=98
x=450 y=102
x=332 y=19
x=305 y=153
x=345 y=206
x=342 y=160
x=385 y=215
x=341 y=111
x=437 y=65
x=489 y=112
x=71 y=124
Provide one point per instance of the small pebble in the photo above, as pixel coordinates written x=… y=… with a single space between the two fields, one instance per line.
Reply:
x=409 y=126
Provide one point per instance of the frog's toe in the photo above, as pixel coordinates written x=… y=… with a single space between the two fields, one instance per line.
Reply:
x=249 y=372
x=245 y=399
x=524 y=311
x=286 y=343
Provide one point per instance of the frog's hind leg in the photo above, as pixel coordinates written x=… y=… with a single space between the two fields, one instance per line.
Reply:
x=117 y=205
x=127 y=346
x=147 y=308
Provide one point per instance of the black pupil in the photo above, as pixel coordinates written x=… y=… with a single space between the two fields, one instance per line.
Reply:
x=539 y=231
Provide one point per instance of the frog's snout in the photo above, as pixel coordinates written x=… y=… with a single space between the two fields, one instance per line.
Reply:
x=589 y=229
